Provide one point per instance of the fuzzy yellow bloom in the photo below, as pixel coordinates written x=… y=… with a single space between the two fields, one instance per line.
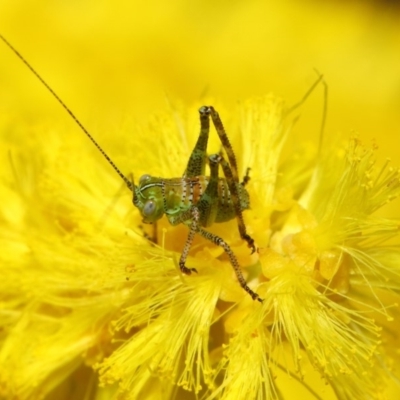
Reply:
x=90 y=308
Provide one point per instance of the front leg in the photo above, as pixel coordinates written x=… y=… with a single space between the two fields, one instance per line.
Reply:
x=194 y=226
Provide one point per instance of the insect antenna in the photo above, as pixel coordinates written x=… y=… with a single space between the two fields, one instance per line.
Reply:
x=128 y=182
x=306 y=95
x=325 y=105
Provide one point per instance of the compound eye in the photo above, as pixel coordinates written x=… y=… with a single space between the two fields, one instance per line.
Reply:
x=149 y=208
x=144 y=178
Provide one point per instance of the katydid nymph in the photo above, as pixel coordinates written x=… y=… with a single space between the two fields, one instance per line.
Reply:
x=195 y=199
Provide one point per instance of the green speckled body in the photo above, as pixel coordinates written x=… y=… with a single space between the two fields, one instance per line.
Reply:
x=197 y=200
x=175 y=196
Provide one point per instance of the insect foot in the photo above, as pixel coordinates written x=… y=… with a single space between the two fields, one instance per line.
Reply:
x=234 y=262
x=187 y=271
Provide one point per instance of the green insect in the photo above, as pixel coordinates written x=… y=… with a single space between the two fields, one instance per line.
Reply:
x=195 y=200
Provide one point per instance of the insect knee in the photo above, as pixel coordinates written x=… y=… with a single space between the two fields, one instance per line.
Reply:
x=214 y=159
x=205 y=110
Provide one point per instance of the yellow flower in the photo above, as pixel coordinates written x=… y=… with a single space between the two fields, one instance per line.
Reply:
x=84 y=292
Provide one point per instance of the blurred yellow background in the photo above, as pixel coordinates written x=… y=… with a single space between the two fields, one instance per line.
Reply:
x=112 y=59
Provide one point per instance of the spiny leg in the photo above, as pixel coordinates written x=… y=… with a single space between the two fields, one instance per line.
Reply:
x=201 y=214
x=219 y=127
x=197 y=161
x=235 y=264
x=235 y=200
x=185 y=252
x=231 y=173
x=246 y=177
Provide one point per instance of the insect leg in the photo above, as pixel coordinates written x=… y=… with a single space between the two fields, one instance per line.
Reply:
x=192 y=215
x=219 y=127
x=231 y=173
x=194 y=226
x=220 y=242
x=197 y=161
x=201 y=214
x=233 y=188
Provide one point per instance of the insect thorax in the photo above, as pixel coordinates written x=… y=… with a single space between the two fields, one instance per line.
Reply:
x=156 y=196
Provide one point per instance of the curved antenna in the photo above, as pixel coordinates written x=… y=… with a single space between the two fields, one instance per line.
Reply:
x=307 y=94
x=129 y=183
x=325 y=108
